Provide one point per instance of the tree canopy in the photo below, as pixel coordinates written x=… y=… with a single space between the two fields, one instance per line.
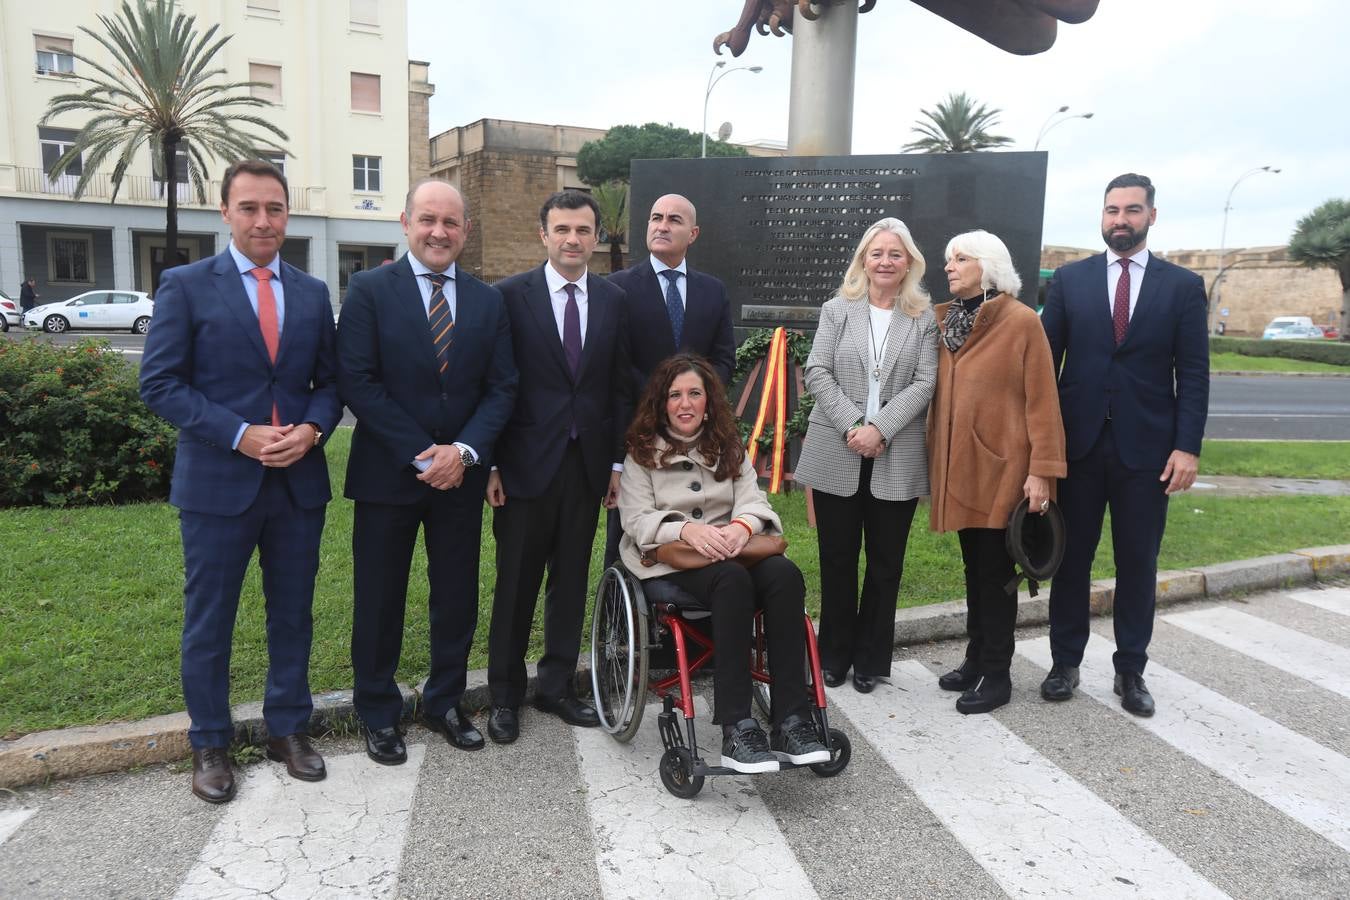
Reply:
x=957 y=125
x=608 y=158
x=1322 y=240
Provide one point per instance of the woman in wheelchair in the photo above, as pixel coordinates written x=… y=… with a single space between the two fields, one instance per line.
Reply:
x=686 y=478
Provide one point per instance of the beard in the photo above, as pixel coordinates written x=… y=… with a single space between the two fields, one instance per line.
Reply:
x=1124 y=240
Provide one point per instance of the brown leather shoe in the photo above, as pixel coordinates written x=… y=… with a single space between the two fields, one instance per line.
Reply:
x=212 y=777
x=300 y=757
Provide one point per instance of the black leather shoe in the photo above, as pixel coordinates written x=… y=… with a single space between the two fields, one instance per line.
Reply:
x=833 y=678
x=212 y=777
x=962 y=678
x=1059 y=684
x=569 y=709
x=301 y=759
x=989 y=693
x=1134 y=696
x=864 y=684
x=503 y=724
x=457 y=727
x=385 y=746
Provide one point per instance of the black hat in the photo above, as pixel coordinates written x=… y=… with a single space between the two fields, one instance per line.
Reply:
x=1035 y=543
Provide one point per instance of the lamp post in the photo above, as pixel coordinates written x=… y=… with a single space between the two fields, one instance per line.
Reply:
x=712 y=82
x=1223 y=240
x=1051 y=122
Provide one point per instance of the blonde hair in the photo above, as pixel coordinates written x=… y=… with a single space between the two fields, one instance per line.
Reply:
x=913 y=299
x=996 y=265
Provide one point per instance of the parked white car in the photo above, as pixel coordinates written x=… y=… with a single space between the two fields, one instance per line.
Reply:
x=9 y=312
x=129 y=310
x=1291 y=328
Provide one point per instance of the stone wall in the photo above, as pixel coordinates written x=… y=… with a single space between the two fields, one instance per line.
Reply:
x=420 y=92
x=504 y=190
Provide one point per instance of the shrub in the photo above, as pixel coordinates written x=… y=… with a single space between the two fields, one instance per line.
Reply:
x=1333 y=352
x=73 y=429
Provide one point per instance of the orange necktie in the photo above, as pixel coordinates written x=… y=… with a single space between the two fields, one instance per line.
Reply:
x=267 y=321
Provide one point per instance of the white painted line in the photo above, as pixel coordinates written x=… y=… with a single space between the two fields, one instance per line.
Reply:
x=11 y=819
x=1324 y=664
x=1294 y=774
x=1335 y=600
x=651 y=844
x=283 y=838
x=1003 y=800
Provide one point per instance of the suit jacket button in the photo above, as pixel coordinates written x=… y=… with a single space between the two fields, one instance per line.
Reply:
x=688 y=466
x=697 y=513
x=444 y=397
x=695 y=486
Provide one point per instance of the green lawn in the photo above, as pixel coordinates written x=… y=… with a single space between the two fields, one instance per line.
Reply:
x=91 y=599
x=1236 y=362
x=1277 y=459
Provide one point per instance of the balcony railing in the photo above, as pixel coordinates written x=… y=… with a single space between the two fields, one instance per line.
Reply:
x=139 y=189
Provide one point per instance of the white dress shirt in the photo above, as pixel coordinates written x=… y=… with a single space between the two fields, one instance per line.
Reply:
x=425 y=287
x=681 y=284
x=557 y=294
x=250 y=282
x=1138 y=263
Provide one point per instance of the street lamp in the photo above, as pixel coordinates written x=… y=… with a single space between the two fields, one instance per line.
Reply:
x=1223 y=240
x=712 y=82
x=1051 y=122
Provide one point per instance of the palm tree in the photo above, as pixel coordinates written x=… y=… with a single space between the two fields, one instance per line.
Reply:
x=162 y=91
x=958 y=125
x=613 y=199
x=1322 y=239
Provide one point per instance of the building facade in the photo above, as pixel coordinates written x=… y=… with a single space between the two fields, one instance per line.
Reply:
x=339 y=75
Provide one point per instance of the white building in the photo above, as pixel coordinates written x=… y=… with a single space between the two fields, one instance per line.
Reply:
x=340 y=76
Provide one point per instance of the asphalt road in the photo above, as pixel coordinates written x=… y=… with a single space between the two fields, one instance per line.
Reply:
x=1236 y=788
x=1260 y=407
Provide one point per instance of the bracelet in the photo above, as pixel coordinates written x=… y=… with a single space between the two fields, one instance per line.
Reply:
x=744 y=524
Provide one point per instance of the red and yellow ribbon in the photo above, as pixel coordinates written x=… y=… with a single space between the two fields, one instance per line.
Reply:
x=774 y=392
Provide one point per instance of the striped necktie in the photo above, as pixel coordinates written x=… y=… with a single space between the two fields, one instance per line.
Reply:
x=442 y=323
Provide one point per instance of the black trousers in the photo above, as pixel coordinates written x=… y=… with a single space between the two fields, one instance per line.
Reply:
x=858 y=631
x=733 y=592
x=1138 y=506
x=991 y=610
x=383 y=538
x=550 y=532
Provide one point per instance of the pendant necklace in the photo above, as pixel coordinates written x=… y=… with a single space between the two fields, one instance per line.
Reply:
x=877 y=352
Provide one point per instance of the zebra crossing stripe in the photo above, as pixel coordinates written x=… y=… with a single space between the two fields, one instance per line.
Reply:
x=650 y=844
x=1001 y=798
x=11 y=819
x=1324 y=664
x=1296 y=775
x=340 y=837
x=1335 y=600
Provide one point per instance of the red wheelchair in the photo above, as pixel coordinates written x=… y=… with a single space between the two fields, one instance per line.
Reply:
x=633 y=617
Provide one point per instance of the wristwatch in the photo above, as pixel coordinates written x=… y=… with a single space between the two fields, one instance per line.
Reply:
x=467 y=458
x=318 y=433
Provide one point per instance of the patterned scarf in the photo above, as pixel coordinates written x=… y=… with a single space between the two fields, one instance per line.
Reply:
x=960 y=317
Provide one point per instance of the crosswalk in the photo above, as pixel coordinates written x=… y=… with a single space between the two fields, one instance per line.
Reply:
x=1220 y=794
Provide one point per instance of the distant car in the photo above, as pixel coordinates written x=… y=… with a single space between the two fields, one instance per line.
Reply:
x=1291 y=328
x=9 y=312
x=130 y=310
x=1331 y=332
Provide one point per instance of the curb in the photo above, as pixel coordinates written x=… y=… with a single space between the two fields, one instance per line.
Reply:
x=1247 y=373
x=98 y=749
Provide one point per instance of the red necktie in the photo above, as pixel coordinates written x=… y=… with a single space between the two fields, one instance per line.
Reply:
x=267 y=321
x=1120 y=312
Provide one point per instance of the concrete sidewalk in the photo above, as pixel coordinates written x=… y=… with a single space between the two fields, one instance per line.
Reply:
x=91 y=750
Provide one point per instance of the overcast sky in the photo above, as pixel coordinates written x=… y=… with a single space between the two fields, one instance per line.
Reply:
x=1192 y=93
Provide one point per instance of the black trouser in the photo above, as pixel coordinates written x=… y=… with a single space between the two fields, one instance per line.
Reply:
x=732 y=592
x=859 y=631
x=991 y=610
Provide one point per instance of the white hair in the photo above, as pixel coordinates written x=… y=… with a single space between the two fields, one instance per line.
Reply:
x=996 y=265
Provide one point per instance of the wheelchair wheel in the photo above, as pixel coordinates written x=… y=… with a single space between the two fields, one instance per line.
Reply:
x=618 y=655
x=676 y=765
x=841 y=750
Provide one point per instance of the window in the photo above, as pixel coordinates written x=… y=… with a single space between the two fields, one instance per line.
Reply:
x=365 y=12
x=265 y=6
x=70 y=258
x=180 y=165
x=270 y=76
x=55 y=56
x=365 y=173
x=272 y=156
x=365 y=92
x=54 y=143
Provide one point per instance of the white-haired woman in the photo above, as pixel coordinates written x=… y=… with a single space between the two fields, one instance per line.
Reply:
x=871 y=371
x=994 y=436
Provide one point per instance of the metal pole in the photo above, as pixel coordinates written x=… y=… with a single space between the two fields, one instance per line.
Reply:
x=712 y=83
x=1223 y=242
x=824 y=56
x=1049 y=128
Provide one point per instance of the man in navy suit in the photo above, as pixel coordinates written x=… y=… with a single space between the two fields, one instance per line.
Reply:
x=558 y=461
x=671 y=309
x=1128 y=329
x=426 y=367
x=241 y=359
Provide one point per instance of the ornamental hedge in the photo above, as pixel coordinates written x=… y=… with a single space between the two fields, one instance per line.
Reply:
x=73 y=429
x=1332 y=352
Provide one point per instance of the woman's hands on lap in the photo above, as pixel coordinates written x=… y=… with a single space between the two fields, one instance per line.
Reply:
x=710 y=540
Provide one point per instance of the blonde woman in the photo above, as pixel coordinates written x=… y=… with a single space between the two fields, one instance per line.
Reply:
x=872 y=369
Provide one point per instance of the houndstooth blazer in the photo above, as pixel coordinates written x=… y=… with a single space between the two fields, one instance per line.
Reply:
x=836 y=375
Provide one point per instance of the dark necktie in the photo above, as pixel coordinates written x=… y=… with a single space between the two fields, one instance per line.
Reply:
x=1120 y=312
x=674 y=306
x=441 y=322
x=267 y=321
x=572 y=329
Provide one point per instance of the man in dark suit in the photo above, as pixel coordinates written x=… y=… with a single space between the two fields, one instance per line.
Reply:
x=241 y=359
x=426 y=367
x=557 y=462
x=671 y=308
x=1128 y=329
